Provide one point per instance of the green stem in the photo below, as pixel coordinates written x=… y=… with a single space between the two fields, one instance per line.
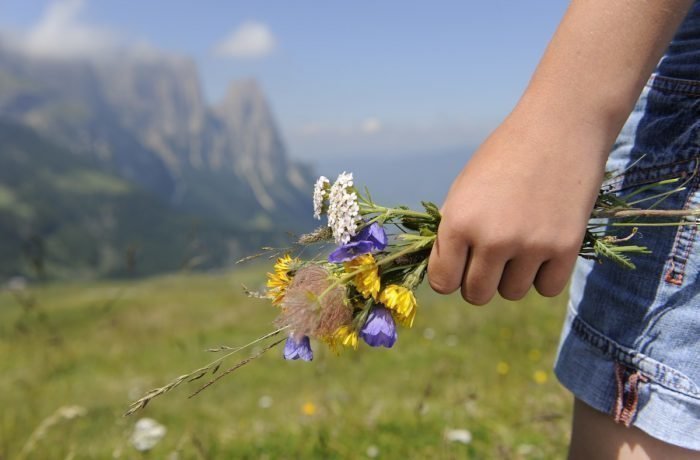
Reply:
x=647 y=187
x=623 y=213
x=389 y=212
x=650 y=224
x=410 y=249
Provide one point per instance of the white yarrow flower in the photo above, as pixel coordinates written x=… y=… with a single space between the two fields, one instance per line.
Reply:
x=460 y=436
x=147 y=433
x=343 y=209
x=320 y=195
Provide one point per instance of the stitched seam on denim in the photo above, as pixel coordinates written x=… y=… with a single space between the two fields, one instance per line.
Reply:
x=672 y=80
x=684 y=235
x=677 y=91
x=641 y=175
x=657 y=372
x=674 y=85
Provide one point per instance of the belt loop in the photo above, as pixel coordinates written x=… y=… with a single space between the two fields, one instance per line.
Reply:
x=627 y=382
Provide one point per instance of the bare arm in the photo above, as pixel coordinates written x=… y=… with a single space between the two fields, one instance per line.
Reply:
x=601 y=56
x=516 y=214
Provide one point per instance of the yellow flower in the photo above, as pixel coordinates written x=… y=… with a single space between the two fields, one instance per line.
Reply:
x=344 y=335
x=367 y=277
x=308 y=408
x=285 y=264
x=401 y=301
x=278 y=282
x=540 y=377
x=502 y=368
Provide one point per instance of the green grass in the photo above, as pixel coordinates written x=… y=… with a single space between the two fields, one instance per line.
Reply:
x=101 y=345
x=87 y=182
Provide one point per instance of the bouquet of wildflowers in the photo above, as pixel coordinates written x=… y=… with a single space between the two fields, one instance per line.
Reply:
x=364 y=289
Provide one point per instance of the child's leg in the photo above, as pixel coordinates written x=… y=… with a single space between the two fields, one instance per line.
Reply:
x=596 y=436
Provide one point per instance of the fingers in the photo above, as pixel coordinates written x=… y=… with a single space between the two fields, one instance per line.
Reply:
x=552 y=277
x=518 y=275
x=446 y=265
x=482 y=276
x=481 y=271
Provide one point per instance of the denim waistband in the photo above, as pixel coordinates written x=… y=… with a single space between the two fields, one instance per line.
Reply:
x=674 y=85
x=682 y=58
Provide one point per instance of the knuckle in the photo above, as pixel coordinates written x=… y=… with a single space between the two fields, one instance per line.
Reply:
x=440 y=285
x=566 y=248
x=510 y=293
x=497 y=245
x=548 y=289
x=475 y=297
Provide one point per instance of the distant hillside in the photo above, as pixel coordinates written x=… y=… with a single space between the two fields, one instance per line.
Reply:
x=144 y=163
x=143 y=116
x=61 y=215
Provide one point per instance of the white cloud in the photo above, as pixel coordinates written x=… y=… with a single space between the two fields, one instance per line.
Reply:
x=371 y=126
x=372 y=136
x=368 y=126
x=61 y=33
x=250 y=40
x=311 y=129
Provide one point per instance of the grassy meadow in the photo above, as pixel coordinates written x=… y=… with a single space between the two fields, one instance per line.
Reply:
x=74 y=355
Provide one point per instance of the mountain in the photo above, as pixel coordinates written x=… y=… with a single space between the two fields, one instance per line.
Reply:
x=62 y=215
x=143 y=115
x=138 y=121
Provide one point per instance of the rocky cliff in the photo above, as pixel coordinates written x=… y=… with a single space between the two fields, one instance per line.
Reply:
x=142 y=117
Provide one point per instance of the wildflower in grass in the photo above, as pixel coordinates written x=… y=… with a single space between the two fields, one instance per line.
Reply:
x=401 y=301
x=278 y=282
x=380 y=329
x=344 y=335
x=147 y=433
x=366 y=277
x=534 y=355
x=502 y=368
x=372 y=238
x=540 y=377
x=320 y=191
x=461 y=436
x=298 y=349
x=343 y=209
x=265 y=402
x=308 y=408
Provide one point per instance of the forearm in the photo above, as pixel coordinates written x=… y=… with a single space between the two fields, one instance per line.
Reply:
x=517 y=213
x=598 y=61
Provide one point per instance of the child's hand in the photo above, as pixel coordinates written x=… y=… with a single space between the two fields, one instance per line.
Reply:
x=517 y=213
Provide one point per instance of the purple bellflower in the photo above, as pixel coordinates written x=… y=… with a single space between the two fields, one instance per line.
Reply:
x=379 y=329
x=371 y=238
x=375 y=234
x=298 y=349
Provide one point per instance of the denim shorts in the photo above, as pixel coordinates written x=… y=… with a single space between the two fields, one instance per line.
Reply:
x=631 y=341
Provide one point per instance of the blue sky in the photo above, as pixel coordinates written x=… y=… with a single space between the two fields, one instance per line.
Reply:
x=355 y=77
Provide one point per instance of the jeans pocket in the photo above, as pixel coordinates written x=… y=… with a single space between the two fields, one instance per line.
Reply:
x=670 y=245
x=684 y=241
